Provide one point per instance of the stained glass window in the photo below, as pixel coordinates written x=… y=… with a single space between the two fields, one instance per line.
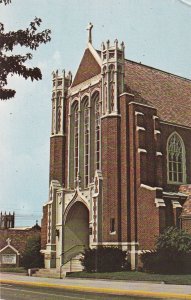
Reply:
x=76 y=121
x=86 y=144
x=97 y=135
x=176 y=157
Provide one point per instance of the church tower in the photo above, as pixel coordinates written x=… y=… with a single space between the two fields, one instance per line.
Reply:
x=112 y=76
x=61 y=84
x=7 y=220
x=112 y=86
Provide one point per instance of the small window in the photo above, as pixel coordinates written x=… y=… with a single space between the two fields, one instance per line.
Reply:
x=112 y=225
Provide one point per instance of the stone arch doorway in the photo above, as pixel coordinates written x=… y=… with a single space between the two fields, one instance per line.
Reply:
x=76 y=227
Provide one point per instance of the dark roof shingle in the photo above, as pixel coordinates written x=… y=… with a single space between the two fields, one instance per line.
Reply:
x=168 y=93
x=88 y=68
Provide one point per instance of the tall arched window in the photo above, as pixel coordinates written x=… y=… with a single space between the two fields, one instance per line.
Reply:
x=176 y=159
x=53 y=113
x=59 y=120
x=86 y=144
x=97 y=134
x=76 y=146
x=111 y=85
x=59 y=106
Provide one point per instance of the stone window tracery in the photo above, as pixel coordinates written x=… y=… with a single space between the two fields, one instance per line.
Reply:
x=86 y=144
x=59 y=119
x=112 y=83
x=59 y=99
x=76 y=145
x=53 y=114
x=176 y=159
x=97 y=134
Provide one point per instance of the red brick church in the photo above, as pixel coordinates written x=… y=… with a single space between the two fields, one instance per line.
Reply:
x=120 y=148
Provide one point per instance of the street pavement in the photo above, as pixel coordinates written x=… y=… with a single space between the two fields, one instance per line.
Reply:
x=19 y=292
x=128 y=288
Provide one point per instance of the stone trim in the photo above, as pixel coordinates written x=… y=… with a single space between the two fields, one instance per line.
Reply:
x=110 y=116
x=125 y=93
x=142 y=150
x=141 y=104
x=115 y=244
x=9 y=246
x=176 y=204
x=84 y=85
x=175 y=125
x=138 y=113
x=159 y=154
x=174 y=195
x=157 y=131
x=140 y=128
x=150 y=187
x=160 y=202
x=95 y=54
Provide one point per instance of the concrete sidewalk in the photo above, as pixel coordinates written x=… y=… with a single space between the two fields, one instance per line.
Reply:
x=129 y=288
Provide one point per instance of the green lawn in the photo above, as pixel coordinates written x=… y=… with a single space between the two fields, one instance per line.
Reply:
x=13 y=270
x=135 y=276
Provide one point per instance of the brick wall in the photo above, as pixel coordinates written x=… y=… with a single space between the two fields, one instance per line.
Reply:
x=65 y=154
x=138 y=165
x=111 y=176
x=57 y=146
x=148 y=222
x=125 y=170
x=186 y=224
x=18 y=237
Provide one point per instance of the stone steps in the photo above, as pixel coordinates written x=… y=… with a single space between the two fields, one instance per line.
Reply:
x=74 y=265
x=48 y=273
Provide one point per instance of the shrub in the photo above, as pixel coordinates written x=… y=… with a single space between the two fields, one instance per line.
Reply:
x=156 y=262
x=104 y=259
x=32 y=258
x=172 y=255
x=174 y=242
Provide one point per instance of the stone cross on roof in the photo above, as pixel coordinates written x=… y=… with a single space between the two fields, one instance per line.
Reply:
x=89 y=28
x=8 y=241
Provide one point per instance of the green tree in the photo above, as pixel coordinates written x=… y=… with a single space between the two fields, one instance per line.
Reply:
x=32 y=258
x=11 y=64
x=174 y=242
x=172 y=255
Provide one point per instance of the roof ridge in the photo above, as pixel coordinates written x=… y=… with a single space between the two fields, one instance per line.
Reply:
x=150 y=67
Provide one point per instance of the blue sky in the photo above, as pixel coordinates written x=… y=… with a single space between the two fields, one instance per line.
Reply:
x=155 y=32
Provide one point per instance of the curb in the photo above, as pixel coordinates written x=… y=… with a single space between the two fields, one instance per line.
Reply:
x=117 y=280
x=140 y=293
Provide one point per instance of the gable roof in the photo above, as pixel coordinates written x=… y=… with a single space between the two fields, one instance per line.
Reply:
x=168 y=93
x=11 y=247
x=88 y=68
